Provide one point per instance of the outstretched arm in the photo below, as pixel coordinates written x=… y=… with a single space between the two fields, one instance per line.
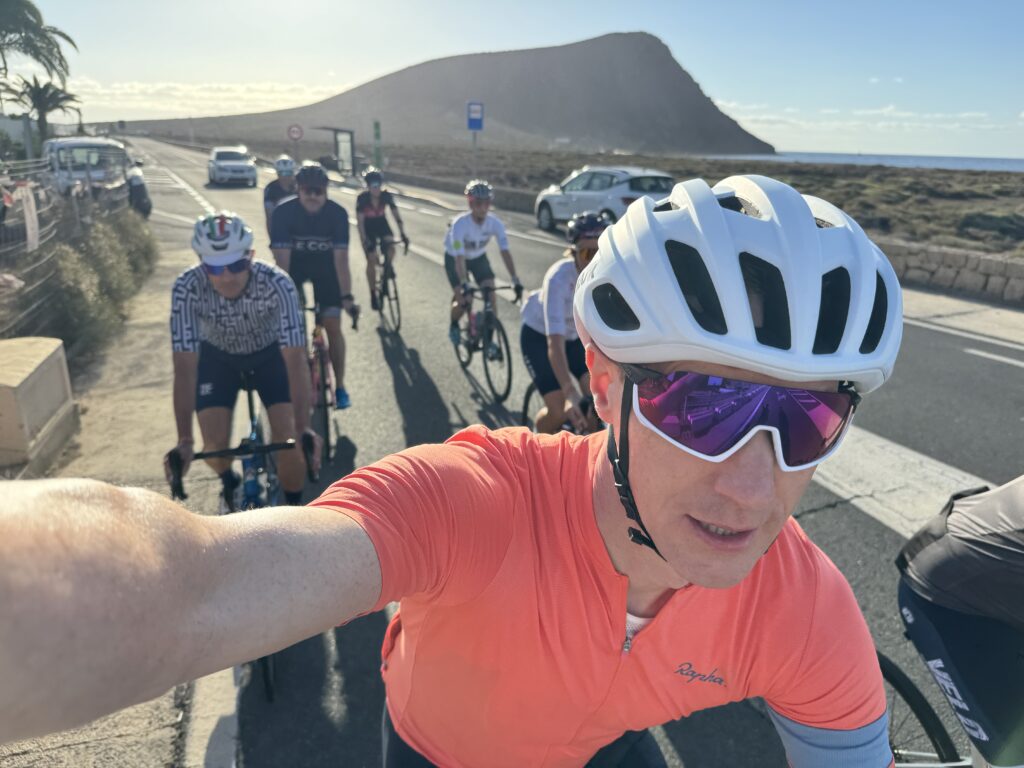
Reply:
x=112 y=595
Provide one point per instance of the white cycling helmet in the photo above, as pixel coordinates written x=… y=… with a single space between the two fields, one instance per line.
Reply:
x=749 y=273
x=284 y=166
x=221 y=238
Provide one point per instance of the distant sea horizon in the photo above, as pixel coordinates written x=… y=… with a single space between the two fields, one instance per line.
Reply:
x=1013 y=165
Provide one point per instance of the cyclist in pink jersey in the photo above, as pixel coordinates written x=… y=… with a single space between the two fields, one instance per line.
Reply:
x=547 y=584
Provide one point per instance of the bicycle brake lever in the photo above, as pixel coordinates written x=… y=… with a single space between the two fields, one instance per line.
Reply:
x=177 y=483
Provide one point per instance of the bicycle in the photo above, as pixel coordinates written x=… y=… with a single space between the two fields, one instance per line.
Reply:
x=531 y=404
x=483 y=332
x=321 y=376
x=260 y=487
x=387 y=290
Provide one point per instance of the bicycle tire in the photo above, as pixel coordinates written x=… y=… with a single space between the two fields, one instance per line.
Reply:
x=526 y=418
x=496 y=335
x=326 y=405
x=390 y=307
x=906 y=751
x=266 y=665
x=464 y=349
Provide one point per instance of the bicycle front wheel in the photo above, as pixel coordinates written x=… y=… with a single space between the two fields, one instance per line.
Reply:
x=325 y=403
x=464 y=349
x=916 y=734
x=497 y=360
x=530 y=407
x=390 y=308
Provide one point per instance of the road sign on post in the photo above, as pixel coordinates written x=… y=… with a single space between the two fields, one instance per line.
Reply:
x=475 y=123
x=295 y=132
x=376 y=143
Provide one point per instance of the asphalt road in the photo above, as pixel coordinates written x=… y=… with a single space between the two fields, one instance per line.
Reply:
x=948 y=408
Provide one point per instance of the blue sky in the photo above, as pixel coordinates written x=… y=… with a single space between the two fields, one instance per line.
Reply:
x=899 y=76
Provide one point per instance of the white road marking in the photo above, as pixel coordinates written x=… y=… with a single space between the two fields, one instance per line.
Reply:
x=174 y=217
x=963 y=334
x=429 y=212
x=205 y=204
x=405 y=206
x=896 y=485
x=537 y=239
x=997 y=358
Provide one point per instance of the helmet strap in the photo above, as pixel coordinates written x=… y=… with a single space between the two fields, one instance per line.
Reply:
x=620 y=469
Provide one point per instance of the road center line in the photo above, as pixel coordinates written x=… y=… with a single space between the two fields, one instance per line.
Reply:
x=997 y=358
x=205 y=204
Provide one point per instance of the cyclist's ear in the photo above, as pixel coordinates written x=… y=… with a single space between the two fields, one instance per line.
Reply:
x=605 y=383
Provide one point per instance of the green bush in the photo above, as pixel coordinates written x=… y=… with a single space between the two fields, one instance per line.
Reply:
x=139 y=244
x=86 y=312
x=106 y=255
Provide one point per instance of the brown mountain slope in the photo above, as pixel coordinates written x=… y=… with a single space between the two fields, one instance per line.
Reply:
x=619 y=91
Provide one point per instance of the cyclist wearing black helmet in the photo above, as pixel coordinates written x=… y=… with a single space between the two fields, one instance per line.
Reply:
x=309 y=238
x=465 y=248
x=552 y=349
x=372 y=221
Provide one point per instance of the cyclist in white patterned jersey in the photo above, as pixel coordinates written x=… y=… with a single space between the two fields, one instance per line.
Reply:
x=465 y=250
x=231 y=316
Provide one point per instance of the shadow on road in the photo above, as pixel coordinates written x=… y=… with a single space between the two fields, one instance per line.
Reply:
x=425 y=416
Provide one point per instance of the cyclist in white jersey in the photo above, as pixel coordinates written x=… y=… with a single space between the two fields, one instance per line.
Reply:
x=551 y=347
x=231 y=316
x=465 y=250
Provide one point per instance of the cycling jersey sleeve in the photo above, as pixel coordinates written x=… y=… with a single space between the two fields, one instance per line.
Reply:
x=559 y=286
x=829 y=708
x=280 y=232
x=293 y=333
x=185 y=314
x=440 y=516
x=500 y=234
x=454 y=242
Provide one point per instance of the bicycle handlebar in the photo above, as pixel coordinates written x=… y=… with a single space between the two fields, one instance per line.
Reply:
x=244 y=449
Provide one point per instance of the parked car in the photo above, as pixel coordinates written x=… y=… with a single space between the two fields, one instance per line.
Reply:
x=85 y=160
x=232 y=164
x=607 y=189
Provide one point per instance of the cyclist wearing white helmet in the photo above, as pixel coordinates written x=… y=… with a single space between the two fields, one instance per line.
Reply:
x=729 y=332
x=281 y=187
x=465 y=251
x=231 y=315
x=551 y=347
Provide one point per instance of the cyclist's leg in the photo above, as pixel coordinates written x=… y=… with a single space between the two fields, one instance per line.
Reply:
x=328 y=296
x=217 y=385
x=453 y=280
x=270 y=379
x=387 y=247
x=371 y=264
x=976 y=661
x=634 y=749
x=534 y=346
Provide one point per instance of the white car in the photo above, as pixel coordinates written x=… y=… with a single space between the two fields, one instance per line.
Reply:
x=599 y=188
x=85 y=160
x=232 y=164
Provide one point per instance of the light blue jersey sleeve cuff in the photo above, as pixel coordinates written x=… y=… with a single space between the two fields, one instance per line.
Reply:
x=810 y=747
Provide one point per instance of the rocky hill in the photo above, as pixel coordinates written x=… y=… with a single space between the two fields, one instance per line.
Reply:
x=621 y=91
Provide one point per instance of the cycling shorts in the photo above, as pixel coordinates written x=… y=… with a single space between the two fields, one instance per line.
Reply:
x=977 y=663
x=318 y=269
x=220 y=376
x=535 y=354
x=378 y=232
x=479 y=268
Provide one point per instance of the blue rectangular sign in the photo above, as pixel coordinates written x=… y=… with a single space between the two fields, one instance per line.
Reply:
x=475 y=115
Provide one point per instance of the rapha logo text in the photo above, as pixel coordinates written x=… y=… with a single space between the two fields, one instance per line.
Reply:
x=686 y=670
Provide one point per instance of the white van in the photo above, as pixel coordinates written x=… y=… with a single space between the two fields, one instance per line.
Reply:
x=85 y=159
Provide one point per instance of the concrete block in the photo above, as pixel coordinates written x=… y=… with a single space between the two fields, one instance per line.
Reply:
x=915 y=275
x=943 y=277
x=995 y=286
x=973 y=259
x=1014 y=290
x=956 y=259
x=1015 y=267
x=992 y=265
x=36 y=410
x=966 y=280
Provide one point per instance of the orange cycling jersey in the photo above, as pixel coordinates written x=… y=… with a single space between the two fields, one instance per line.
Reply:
x=508 y=647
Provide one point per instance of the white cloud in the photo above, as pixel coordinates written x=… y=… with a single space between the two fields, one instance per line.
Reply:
x=897 y=79
x=828 y=111
x=872 y=80
x=130 y=99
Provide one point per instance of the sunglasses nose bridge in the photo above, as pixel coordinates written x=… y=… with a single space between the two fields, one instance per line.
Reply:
x=748 y=477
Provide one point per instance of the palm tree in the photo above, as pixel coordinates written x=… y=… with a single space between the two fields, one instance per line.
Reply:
x=42 y=99
x=22 y=31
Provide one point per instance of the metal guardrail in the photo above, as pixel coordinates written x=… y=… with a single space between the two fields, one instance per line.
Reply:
x=41 y=208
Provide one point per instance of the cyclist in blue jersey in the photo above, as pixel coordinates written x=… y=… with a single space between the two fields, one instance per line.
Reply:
x=371 y=219
x=230 y=316
x=309 y=238
x=281 y=187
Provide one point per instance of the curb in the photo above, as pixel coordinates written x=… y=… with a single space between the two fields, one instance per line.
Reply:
x=211 y=739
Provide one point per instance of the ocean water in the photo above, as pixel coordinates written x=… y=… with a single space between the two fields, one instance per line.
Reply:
x=1015 y=165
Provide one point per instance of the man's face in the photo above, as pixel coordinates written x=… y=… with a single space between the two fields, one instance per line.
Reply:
x=287 y=182
x=479 y=207
x=312 y=198
x=230 y=284
x=711 y=521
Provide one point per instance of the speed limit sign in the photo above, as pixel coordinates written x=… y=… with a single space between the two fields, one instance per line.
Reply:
x=295 y=132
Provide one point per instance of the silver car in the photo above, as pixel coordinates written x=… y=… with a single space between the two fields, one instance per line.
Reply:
x=232 y=165
x=599 y=188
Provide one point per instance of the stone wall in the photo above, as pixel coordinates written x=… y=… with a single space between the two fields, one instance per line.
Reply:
x=992 y=276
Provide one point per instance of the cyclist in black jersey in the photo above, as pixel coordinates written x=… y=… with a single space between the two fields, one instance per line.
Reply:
x=281 y=187
x=961 y=598
x=230 y=316
x=309 y=238
x=374 y=231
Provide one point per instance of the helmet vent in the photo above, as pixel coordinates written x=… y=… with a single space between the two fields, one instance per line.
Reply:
x=878 y=314
x=822 y=224
x=739 y=205
x=769 y=308
x=696 y=285
x=613 y=309
x=835 y=306
x=668 y=205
